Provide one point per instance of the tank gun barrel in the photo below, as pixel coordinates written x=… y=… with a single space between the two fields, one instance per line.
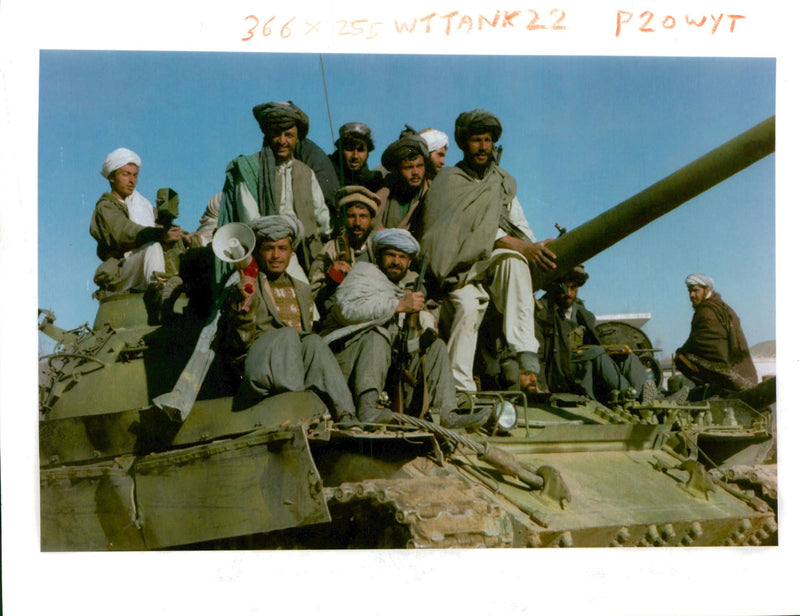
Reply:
x=592 y=237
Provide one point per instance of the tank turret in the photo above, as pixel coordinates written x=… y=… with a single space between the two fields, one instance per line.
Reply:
x=593 y=237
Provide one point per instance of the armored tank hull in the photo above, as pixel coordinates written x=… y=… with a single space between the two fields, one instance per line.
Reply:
x=124 y=476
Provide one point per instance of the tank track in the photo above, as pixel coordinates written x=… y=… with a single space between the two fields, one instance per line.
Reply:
x=439 y=512
x=760 y=481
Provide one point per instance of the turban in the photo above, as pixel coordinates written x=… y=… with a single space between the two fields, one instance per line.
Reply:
x=276 y=227
x=399 y=239
x=281 y=115
x=355 y=130
x=119 y=158
x=475 y=122
x=409 y=145
x=435 y=139
x=358 y=194
x=576 y=274
x=700 y=279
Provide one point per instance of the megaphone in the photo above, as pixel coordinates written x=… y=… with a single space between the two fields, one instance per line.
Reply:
x=233 y=242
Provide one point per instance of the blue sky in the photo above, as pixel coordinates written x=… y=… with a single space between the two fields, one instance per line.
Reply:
x=581 y=134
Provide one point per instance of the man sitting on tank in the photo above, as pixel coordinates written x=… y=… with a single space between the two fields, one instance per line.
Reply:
x=266 y=325
x=274 y=181
x=481 y=248
x=716 y=353
x=129 y=242
x=339 y=254
x=572 y=356
x=410 y=172
x=370 y=308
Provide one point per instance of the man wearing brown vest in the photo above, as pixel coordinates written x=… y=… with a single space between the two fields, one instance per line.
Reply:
x=272 y=181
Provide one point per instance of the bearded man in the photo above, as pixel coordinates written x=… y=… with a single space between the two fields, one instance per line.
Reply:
x=437 y=143
x=370 y=307
x=338 y=255
x=481 y=247
x=410 y=171
x=267 y=328
x=716 y=353
x=272 y=181
x=574 y=358
x=123 y=222
x=351 y=157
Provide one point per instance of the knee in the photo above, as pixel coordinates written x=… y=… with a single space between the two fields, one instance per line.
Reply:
x=311 y=342
x=285 y=335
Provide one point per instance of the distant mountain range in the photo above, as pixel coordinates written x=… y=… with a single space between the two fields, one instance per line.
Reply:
x=763 y=349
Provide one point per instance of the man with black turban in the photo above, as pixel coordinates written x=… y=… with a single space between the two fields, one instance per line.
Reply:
x=273 y=181
x=481 y=248
x=410 y=171
x=574 y=358
x=266 y=326
x=716 y=353
x=369 y=309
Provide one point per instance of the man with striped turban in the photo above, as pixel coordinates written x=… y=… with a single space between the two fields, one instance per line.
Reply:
x=359 y=206
x=368 y=312
x=129 y=241
x=481 y=247
x=267 y=329
x=716 y=353
x=273 y=181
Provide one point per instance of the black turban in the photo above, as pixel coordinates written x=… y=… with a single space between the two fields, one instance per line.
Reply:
x=476 y=122
x=410 y=144
x=281 y=115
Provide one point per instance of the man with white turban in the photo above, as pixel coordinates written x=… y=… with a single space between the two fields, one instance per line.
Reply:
x=438 y=143
x=273 y=181
x=368 y=312
x=481 y=248
x=123 y=222
x=716 y=353
x=267 y=328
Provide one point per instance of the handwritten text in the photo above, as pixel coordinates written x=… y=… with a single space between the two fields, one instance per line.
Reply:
x=650 y=22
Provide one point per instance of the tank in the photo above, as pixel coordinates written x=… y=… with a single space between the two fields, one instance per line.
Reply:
x=121 y=470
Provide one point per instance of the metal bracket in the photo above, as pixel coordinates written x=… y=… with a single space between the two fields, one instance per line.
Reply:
x=554 y=487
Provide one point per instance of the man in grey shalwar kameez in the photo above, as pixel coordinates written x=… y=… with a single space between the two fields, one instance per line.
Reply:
x=362 y=327
x=268 y=324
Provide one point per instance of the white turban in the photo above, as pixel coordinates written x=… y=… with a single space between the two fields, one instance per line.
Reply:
x=435 y=139
x=399 y=239
x=278 y=226
x=119 y=158
x=701 y=280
